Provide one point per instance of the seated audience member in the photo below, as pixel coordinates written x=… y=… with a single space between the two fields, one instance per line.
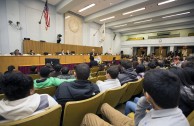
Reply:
x=46 y=81
x=80 y=89
x=92 y=62
x=17 y=52
x=65 y=74
x=112 y=81
x=127 y=73
x=50 y=67
x=162 y=92
x=32 y=52
x=186 y=103
x=152 y=65
x=57 y=71
x=68 y=52
x=33 y=70
x=10 y=69
x=140 y=69
x=20 y=101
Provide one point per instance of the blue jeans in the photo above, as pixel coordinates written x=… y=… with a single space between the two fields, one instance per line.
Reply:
x=131 y=106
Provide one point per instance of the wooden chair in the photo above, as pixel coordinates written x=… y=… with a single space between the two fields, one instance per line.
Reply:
x=113 y=96
x=93 y=79
x=2 y=96
x=101 y=73
x=102 y=78
x=34 y=76
x=49 y=117
x=94 y=69
x=139 y=88
x=131 y=87
x=190 y=118
x=93 y=74
x=75 y=110
x=47 y=90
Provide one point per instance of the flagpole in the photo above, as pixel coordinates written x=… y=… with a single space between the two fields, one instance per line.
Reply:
x=42 y=13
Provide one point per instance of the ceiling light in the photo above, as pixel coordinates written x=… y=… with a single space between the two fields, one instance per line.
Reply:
x=142 y=21
x=67 y=17
x=140 y=9
x=120 y=25
x=87 y=7
x=107 y=18
x=165 y=2
x=176 y=15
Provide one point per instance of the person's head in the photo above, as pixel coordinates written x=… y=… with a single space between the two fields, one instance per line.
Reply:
x=161 y=88
x=140 y=68
x=93 y=50
x=190 y=72
x=10 y=68
x=190 y=58
x=126 y=64
x=135 y=63
x=112 y=72
x=57 y=68
x=152 y=65
x=65 y=70
x=33 y=69
x=187 y=64
x=17 y=52
x=16 y=86
x=82 y=71
x=44 y=72
x=49 y=66
x=182 y=75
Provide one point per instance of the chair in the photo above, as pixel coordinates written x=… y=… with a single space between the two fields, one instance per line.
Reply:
x=2 y=96
x=94 y=69
x=49 y=117
x=101 y=73
x=190 y=118
x=102 y=78
x=34 y=76
x=75 y=110
x=93 y=79
x=113 y=96
x=47 y=90
x=139 y=88
x=93 y=74
x=131 y=87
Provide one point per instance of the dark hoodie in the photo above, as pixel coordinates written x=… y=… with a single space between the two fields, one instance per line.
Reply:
x=75 y=91
x=127 y=75
x=186 y=103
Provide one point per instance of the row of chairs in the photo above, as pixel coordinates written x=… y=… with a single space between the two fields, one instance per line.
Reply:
x=74 y=111
x=94 y=79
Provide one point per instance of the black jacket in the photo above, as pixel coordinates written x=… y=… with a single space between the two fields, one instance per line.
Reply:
x=93 y=63
x=75 y=91
x=186 y=103
x=127 y=75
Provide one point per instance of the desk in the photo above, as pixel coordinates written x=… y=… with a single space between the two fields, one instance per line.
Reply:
x=66 y=60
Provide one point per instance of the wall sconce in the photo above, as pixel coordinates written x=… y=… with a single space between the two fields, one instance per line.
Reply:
x=15 y=25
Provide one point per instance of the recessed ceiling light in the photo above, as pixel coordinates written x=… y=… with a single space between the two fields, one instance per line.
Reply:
x=120 y=25
x=87 y=7
x=165 y=2
x=67 y=17
x=107 y=18
x=142 y=21
x=130 y=12
x=177 y=14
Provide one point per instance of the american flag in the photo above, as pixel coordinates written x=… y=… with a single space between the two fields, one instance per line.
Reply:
x=46 y=16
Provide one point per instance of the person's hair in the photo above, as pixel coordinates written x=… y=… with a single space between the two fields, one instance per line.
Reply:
x=44 y=71
x=10 y=68
x=190 y=72
x=163 y=86
x=152 y=65
x=140 y=68
x=65 y=70
x=57 y=67
x=82 y=71
x=16 y=85
x=33 y=68
x=182 y=75
x=187 y=64
x=135 y=63
x=190 y=58
x=126 y=64
x=113 y=71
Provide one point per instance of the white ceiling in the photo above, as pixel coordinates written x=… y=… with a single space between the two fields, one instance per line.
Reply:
x=107 y=8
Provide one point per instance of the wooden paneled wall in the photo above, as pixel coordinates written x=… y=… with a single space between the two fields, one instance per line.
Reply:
x=41 y=47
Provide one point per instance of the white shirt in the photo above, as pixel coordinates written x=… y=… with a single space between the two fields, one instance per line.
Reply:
x=108 y=84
